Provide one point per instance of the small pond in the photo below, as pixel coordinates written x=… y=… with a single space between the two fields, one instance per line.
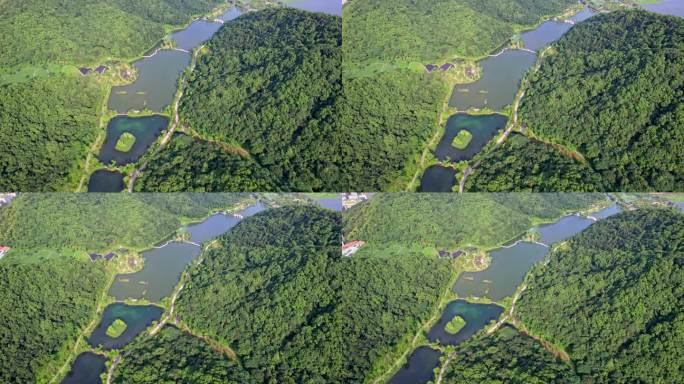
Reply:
x=106 y=181
x=86 y=369
x=419 y=368
x=482 y=128
x=438 y=179
x=136 y=317
x=145 y=129
x=476 y=316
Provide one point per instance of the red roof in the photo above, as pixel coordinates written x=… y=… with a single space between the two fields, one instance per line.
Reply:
x=3 y=248
x=355 y=243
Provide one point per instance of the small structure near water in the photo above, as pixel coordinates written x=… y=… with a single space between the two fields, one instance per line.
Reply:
x=86 y=70
x=453 y=255
x=97 y=256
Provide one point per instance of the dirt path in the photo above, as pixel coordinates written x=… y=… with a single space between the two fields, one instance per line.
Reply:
x=169 y=133
x=112 y=368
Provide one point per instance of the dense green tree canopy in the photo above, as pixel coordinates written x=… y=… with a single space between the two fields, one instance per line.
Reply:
x=613 y=91
x=193 y=165
x=613 y=299
x=381 y=30
x=43 y=308
x=46 y=127
x=267 y=83
x=175 y=356
x=507 y=357
x=453 y=220
x=87 y=31
x=524 y=165
x=94 y=222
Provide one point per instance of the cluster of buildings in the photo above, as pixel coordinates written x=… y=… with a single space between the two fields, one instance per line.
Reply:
x=351 y=247
x=85 y=70
x=453 y=255
x=5 y=198
x=352 y=198
x=97 y=256
x=444 y=67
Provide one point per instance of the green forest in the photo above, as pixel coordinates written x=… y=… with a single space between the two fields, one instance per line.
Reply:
x=100 y=222
x=43 y=307
x=173 y=356
x=507 y=357
x=298 y=311
x=87 y=31
x=192 y=165
x=456 y=220
x=613 y=92
x=267 y=84
x=433 y=30
x=46 y=127
x=613 y=298
x=524 y=165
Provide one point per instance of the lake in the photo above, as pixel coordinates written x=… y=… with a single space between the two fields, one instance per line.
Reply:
x=156 y=85
x=667 y=7
x=511 y=263
x=103 y=180
x=550 y=31
x=483 y=129
x=501 y=76
x=505 y=273
x=164 y=265
x=136 y=317
x=419 y=368
x=86 y=369
x=476 y=316
x=438 y=179
x=333 y=7
x=333 y=204
x=145 y=129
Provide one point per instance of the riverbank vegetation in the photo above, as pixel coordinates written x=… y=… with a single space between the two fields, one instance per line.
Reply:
x=447 y=221
x=612 y=298
x=521 y=164
x=276 y=101
x=99 y=222
x=612 y=92
x=43 y=307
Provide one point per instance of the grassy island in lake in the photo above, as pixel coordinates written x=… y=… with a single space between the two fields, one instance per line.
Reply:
x=462 y=140
x=125 y=142
x=455 y=325
x=116 y=329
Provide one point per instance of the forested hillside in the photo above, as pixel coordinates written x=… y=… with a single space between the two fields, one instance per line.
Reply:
x=43 y=307
x=524 y=165
x=613 y=91
x=277 y=291
x=428 y=30
x=507 y=357
x=46 y=127
x=451 y=220
x=99 y=222
x=87 y=31
x=267 y=83
x=191 y=165
x=613 y=299
x=175 y=356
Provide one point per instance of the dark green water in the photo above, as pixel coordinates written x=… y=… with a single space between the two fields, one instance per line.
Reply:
x=419 y=368
x=145 y=129
x=86 y=369
x=483 y=128
x=477 y=316
x=106 y=181
x=438 y=179
x=136 y=317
